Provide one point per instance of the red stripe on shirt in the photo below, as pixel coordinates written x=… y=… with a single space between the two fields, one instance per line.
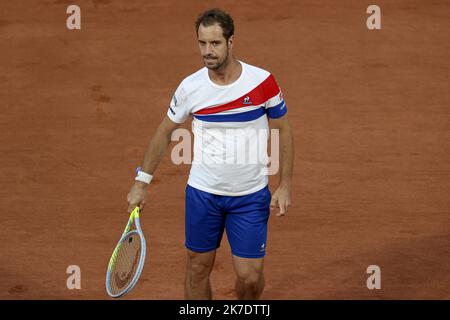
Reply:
x=263 y=92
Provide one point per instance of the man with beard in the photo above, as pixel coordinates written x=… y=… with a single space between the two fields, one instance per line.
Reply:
x=231 y=103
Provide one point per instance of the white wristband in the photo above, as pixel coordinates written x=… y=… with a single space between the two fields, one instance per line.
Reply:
x=143 y=177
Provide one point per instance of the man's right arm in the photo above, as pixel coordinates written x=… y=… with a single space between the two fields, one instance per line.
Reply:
x=153 y=155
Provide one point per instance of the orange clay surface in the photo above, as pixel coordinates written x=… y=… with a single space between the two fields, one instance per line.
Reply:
x=371 y=118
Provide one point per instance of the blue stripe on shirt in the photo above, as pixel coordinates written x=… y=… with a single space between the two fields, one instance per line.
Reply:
x=277 y=111
x=235 y=117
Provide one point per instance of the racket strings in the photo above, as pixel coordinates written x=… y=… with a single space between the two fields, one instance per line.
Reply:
x=126 y=263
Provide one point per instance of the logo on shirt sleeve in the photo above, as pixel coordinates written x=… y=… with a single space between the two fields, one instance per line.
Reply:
x=247 y=100
x=173 y=103
x=174 y=99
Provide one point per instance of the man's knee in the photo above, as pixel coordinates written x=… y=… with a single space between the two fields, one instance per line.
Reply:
x=199 y=265
x=249 y=272
x=251 y=279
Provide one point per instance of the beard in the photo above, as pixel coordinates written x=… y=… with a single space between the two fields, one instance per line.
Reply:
x=218 y=64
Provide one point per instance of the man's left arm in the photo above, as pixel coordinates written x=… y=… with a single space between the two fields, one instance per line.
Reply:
x=281 y=198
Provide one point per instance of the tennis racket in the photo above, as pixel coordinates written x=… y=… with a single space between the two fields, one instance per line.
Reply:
x=127 y=260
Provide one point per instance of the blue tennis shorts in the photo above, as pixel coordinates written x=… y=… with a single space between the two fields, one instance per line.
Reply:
x=243 y=217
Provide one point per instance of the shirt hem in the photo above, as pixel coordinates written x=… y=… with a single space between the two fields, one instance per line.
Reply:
x=225 y=193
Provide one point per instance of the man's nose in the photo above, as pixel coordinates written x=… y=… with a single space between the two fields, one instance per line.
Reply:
x=209 y=50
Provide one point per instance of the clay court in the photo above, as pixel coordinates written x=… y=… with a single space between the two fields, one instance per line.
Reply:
x=371 y=117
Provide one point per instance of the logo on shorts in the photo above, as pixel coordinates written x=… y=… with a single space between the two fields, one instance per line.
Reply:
x=247 y=100
x=262 y=248
x=171 y=110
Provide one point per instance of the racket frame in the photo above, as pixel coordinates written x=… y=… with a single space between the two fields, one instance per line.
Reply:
x=134 y=217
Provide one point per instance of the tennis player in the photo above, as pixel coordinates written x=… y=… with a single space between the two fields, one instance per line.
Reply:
x=231 y=103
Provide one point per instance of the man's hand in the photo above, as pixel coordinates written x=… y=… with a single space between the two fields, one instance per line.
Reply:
x=137 y=196
x=281 y=199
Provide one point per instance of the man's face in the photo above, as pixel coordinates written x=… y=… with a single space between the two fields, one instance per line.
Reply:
x=213 y=46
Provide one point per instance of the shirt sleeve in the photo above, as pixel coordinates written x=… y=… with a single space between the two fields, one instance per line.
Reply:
x=275 y=105
x=179 y=108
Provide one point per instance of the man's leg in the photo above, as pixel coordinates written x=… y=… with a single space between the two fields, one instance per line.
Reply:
x=198 y=269
x=246 y=226
x=250 y=277
x=204 y=225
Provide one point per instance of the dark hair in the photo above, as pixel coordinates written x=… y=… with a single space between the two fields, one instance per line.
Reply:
x=212 y=16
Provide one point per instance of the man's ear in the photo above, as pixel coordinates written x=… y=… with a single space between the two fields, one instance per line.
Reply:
x=230 y=41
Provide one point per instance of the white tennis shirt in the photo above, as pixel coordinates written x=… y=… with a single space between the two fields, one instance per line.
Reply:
x=230 y=128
